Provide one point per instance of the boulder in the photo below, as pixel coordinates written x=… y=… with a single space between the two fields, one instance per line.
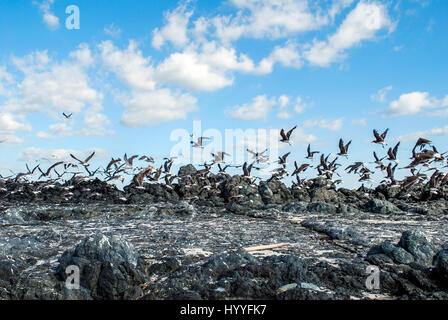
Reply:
x=416 y=243
x=109 y=267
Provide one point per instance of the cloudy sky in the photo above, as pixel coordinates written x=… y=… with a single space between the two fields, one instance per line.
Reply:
x=136 y=71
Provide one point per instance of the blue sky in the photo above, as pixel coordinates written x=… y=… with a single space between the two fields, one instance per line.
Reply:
x=136 y=71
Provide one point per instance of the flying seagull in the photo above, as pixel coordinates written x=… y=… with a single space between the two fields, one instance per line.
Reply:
x=343 y=149
x=380 y=138
x=287 y=136
x=392 y=153
x=311 y=153
x=67 y=116
x=199 y=143
x=84 y=163
x=422 y=142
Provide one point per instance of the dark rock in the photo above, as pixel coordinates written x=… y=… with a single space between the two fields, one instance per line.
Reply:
x=108 y=267
x=322 y=207
x=441 y=264
x=274 y=192
x=296 y=207
x=416 y=243
x=188 y=170
x=325 y=195
x=380 y=206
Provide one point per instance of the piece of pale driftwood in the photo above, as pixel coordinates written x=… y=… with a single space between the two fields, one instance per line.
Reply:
x=268 y=247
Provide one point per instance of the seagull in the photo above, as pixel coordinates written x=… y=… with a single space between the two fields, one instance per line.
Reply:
x=84 y=163
x=129 y=161
x=300 y=169
x=343 y=150
x=219 y=157
x=311 y=153
x=379 y=138
x=199 y=143
x=392 y=153
x=247 y=169
x=282 y=160
x=258 y=156
x=422 y=142
x=147 y=159
x=47 y=173
x=67 y=116
x=286 y=137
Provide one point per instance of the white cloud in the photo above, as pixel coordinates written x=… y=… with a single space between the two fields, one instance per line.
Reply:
x=52 y=87
x=186 y=70
x=381 y=94
x=147 y=103
x=267 y=19
x=333 y=125
x=425 y=133
x=362 y=23
x=50 y=20
x=360 y=122
x=175 y=30
x=287 y=56
x=153 y=107
x=258 y=109
x=33 y=154
x=301 y=137
x=112 y=30
x=300 y=105
x=283 y=101
x=129 y=65
x=5 y=80
x=285 y=115
x=10 y=123
x=208 y=67
x=415 y=102
x=56 y=131
x=83 y=55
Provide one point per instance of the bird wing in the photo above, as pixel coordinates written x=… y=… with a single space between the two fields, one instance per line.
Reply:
x=282 y=133
x=290 y=132
x=377 y=135
x=71 y=155
x=341 y=145
x=90 y=157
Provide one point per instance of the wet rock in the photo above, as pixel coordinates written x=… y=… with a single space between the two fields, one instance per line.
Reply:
x=324 y=195
x=11 y=216
x=108 y=267
x=334 y=231
x=188 y=170
x=300 y=194
x=346 y=208
x=274 y=192
x=322 y=207
x=379 y=259
x=441 y=264
x=416 y=243
x=396 y=253
x=380 y=206
x=296 y=207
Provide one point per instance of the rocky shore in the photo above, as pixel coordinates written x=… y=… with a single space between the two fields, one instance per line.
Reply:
x=188 y=240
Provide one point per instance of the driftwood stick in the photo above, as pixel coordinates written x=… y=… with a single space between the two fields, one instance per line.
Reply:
x=268 y=247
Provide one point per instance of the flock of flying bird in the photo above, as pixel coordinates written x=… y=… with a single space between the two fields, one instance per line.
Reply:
x=425 y=158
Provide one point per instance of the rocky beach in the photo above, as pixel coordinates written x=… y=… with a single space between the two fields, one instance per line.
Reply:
x=189 y=241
